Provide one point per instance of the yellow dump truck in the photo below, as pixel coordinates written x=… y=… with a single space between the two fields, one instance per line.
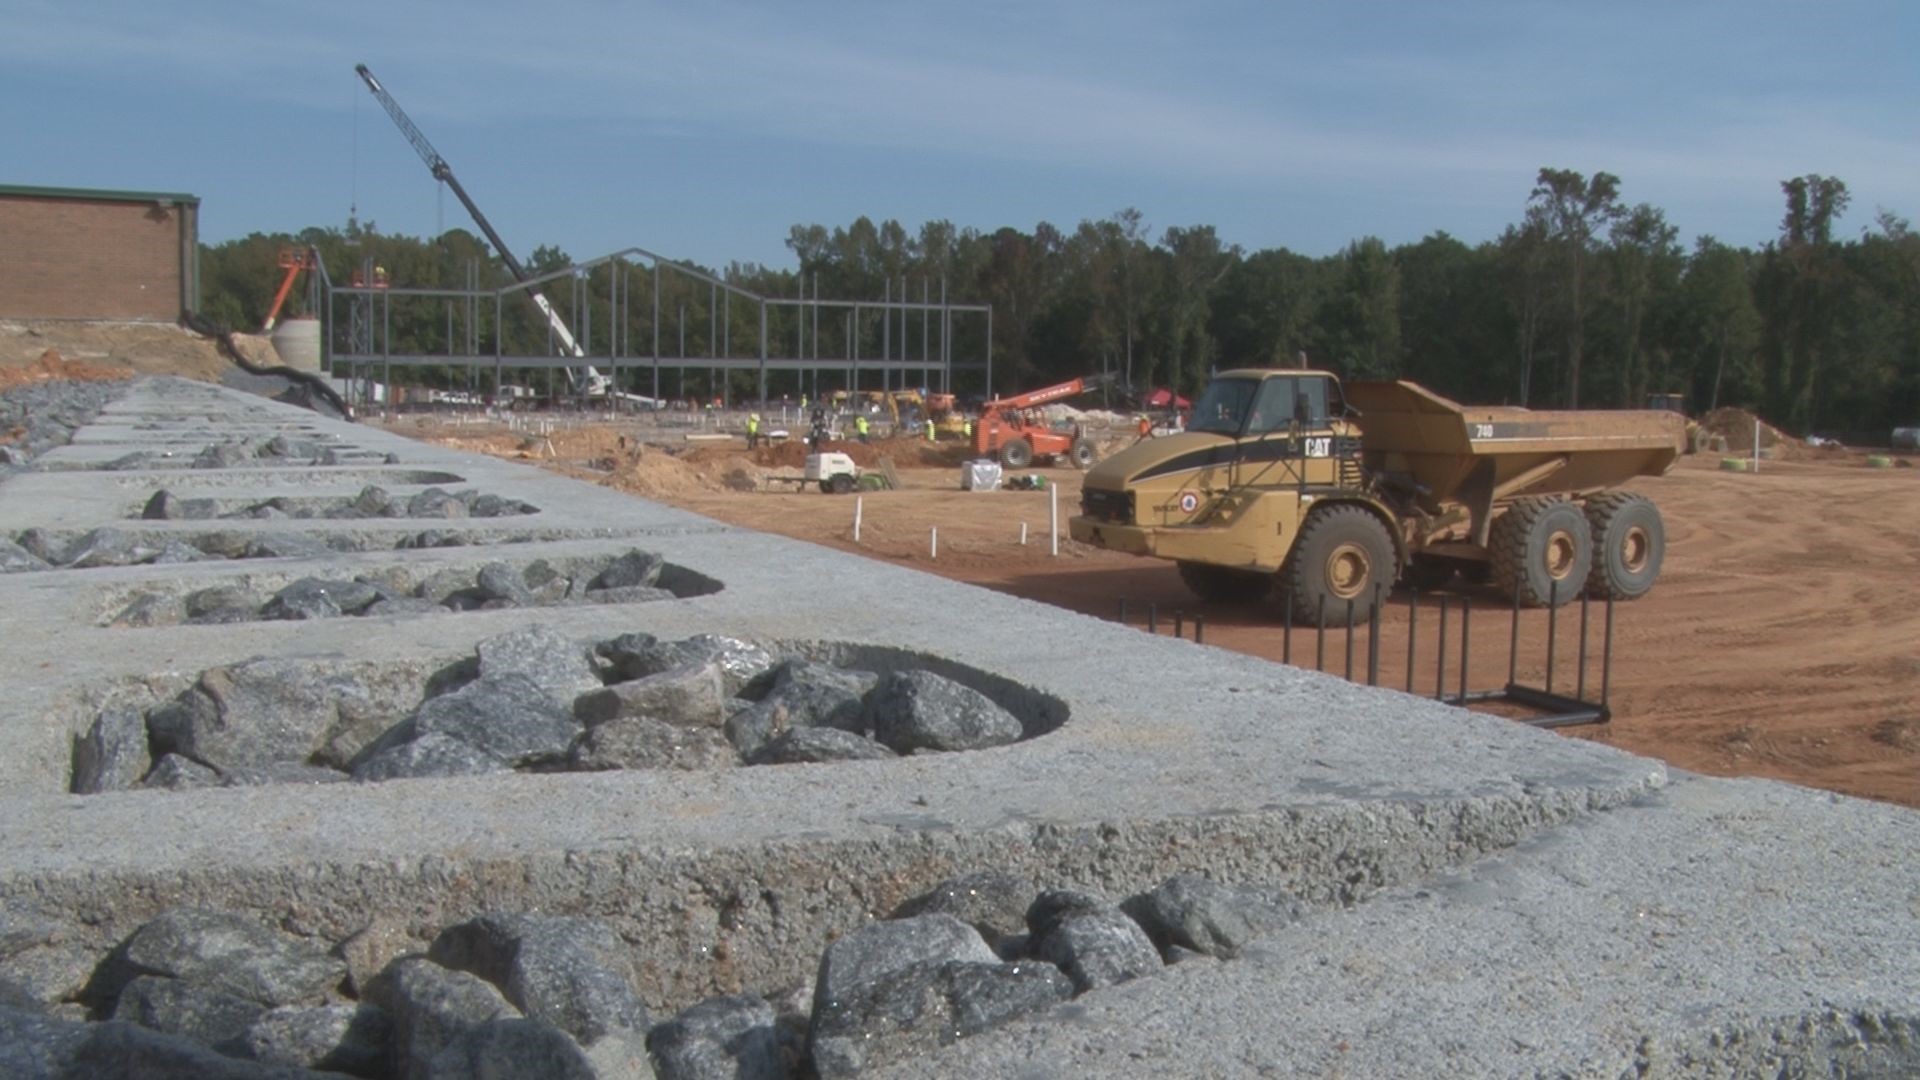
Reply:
x=1332 y=493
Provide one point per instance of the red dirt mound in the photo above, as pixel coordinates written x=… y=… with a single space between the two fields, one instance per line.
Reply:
x=52 y=367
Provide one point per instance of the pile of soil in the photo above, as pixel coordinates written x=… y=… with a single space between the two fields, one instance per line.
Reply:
x=1736 y=426
x=52 y=367
x=143 y=348
x=657 y=474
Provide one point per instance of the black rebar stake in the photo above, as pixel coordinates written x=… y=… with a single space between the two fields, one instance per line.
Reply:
x=1320 y=638
x=1123 y=611
x=1413 y=631
x=1466 y=628
x=1440 y=657
x=1513 y=643
x=1179 y=623
x=1286 y=634
x=1199 y=629
x=1606 y=655
x=1580 y=683
x=1349 y=674
x=1553 y=626
x=1153 y=618
x=1373 y=639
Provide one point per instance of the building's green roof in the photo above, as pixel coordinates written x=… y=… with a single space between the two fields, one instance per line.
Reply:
x=97 y=195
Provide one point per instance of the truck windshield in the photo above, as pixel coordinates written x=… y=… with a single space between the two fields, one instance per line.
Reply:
x=1222 y=409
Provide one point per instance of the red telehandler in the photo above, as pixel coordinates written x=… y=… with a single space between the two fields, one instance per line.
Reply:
x=1014 y=430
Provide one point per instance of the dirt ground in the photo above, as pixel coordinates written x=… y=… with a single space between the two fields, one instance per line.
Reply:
x=1783 y=639
x=136 y=347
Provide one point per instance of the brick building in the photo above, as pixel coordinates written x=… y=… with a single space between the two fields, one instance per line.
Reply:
x=74 y=253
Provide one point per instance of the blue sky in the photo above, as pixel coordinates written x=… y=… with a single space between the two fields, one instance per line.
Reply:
x=705 y=131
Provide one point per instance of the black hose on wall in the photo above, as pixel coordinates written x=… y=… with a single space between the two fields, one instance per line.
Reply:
x=206 y=327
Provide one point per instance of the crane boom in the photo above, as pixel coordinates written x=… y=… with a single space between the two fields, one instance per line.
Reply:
x=596 y=383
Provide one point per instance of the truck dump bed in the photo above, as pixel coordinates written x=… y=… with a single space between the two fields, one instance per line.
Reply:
x=1476 y=453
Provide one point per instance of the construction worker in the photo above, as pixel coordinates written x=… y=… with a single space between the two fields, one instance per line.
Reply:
x=929 y=422
x=860 y=426
x=1146 y=426
x=753 y=430
x=968 y=426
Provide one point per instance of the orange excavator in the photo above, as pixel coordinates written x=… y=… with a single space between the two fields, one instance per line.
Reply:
x=1014 y=430
x=292 y=260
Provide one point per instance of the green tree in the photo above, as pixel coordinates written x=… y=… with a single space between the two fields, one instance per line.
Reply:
x=1573 y=211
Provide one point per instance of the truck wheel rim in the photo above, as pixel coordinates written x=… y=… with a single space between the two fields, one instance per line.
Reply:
x=1347 y=568
x=1560 y=556
x=1635 y=548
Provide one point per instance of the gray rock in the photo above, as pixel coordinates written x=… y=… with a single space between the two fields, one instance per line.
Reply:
x=434 y=502
x=263 y=712
x=1053 y=906
x=443 y=583
x=15 y=559
x=220 y=598
x=368 y=950
x=1194 y=913
x=36 y=1047
x=353 y=1039
x=882 y=948
x=573 y=973
x=433 y=538
x=174 y=552
x=45 y=976
x=993 y=902
x=25 y=925
x=165 y=506
x=491 y=506
x=40 y=544
x=804 y=694
x=1098 y=948
x=918 y=710
x=149 y=610
x=373 y=502
x=927 y=1005
x=224 y=455
x=232 y=955
x=691 y=696
x=545 y=584
x=177 y=773
x=502 y=582
x=635 y=568
x=320 y=598
x=640 y=743
x=428 y=755
x=744 y=666
x=560 y=666
x=430 y=1007
x=206 y=1016
x=285 y=546
x=505 y=716
x=511 y=1048
x=723 y=1038
x=112 y=755
x=403 y=605
x=106 y=546
x=808 y=745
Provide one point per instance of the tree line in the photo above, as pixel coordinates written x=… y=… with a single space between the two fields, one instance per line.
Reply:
x=1585 y=301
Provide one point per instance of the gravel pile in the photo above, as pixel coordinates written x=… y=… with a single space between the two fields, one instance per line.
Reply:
x=634 y=577
x=535 y=701
x=371 y=502
x=41 y=416
x=281 y=451
x=197 y=992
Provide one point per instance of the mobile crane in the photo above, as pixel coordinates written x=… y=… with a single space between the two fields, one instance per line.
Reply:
x=585 y=378
x=1007 y=432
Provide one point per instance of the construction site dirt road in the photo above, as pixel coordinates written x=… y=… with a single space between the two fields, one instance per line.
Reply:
x=1781 y=640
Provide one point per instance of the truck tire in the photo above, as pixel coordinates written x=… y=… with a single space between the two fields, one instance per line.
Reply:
x=1082 y=453
x=1226 y=585
x=1542 y=547
x=841 y=483
x=1629 y=543
x=826 y=487
x=1342 y=553
x=1017 y=454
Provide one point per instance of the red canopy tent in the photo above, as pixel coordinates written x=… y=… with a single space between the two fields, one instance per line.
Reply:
x=1163 y=397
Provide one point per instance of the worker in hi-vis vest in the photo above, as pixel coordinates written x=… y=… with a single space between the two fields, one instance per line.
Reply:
x=860 y=426
x=753 y=430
